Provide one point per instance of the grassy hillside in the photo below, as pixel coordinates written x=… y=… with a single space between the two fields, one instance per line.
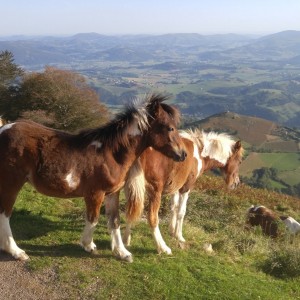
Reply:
x=244 y=264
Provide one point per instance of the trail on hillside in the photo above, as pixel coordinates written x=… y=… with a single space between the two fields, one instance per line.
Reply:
x=17 y=282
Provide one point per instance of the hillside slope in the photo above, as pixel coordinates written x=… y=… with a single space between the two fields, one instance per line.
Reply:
x=256 y=132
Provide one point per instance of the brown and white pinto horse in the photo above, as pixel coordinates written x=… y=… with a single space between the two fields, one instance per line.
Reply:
x=265 y=218
x=90 y=164
x=156 y=175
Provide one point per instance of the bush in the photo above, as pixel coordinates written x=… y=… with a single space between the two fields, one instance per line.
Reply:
x=283 y=263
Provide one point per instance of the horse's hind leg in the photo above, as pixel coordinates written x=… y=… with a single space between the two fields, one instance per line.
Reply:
x=7 y=242
x=174 y=212
x=113 y=224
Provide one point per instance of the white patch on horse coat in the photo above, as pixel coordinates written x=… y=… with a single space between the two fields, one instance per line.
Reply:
x=72 y=180
x=199 y=161
x=292 y=225
x=194 y=137
x=96 y=144
x=5 y=127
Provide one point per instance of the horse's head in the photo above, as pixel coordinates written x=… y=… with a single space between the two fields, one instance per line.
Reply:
x=231 y=169
x=254 y=214
x=162 y=133
x=221 y=151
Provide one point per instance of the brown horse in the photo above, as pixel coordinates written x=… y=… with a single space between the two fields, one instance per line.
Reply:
x=90 y=164
x=156 y=175
x=265 y=218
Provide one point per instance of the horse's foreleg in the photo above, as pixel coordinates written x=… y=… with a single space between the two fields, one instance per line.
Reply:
x=154 y=205
x=174 y=211
x=180 y=216
x=113 y=224
x=9 y=191
x=93 y=203
x=7 y=242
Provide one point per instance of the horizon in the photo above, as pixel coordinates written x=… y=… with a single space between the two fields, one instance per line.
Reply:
x=67 y=18
x=21 y=36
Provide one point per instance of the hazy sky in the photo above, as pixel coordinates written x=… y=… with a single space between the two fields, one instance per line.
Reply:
x=60 y=17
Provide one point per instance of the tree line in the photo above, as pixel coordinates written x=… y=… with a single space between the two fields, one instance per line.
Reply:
x=56 y=98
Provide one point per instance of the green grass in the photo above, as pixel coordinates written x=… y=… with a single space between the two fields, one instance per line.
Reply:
x=244 y=265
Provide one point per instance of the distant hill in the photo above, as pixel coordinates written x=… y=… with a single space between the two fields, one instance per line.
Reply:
x=257 y=132
x=283 y=45
x=34 y=51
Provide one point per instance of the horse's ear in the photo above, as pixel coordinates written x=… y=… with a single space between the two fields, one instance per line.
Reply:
x=153 y=109
x=237 y=146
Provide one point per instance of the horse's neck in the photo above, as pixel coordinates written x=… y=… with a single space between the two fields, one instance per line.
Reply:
x=208 y=164
x=127 y=155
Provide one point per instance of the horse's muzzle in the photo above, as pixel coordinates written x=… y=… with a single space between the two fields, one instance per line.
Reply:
x=182 y=156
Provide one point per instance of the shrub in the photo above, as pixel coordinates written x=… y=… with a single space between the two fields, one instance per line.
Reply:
x=283 y=263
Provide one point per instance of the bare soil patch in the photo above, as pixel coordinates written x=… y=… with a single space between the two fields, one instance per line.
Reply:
x=18 y=282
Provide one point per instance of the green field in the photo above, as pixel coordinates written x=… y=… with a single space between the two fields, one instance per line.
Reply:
x=288 y=165
x=48 y=230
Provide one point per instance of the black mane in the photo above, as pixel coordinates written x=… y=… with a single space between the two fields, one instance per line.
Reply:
x=114 y=133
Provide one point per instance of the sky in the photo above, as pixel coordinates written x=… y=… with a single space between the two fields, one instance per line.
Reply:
x=117 y=17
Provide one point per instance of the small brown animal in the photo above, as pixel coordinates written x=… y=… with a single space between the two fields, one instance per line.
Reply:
x=265 y=218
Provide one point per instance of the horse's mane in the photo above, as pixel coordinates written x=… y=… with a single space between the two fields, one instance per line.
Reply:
x=214 y=145
x=115 y=133
x=217 y=146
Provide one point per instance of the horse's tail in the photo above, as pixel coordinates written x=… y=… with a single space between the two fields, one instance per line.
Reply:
x=135 y=192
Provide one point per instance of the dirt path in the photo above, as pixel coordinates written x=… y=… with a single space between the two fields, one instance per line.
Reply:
x=17 y=282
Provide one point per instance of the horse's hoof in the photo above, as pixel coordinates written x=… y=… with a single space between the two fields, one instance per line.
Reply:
x=167 y=251
x=128 y=258
x=21 y=256
x=89 y=248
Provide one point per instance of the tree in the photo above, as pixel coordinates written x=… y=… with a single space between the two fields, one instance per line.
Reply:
x=60 y=99
x=9 y=71
x=9 y=74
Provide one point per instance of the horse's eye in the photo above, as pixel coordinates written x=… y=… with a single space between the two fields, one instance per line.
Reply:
x=170 y=129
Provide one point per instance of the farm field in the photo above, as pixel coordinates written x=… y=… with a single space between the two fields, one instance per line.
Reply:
x=288 y=165
x=49 y=229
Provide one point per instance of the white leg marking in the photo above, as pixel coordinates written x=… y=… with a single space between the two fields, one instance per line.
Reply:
x=113 y=225
x=86 y=240
x=180 y=216
x=5 y=127
x=118 y=247
x=160 y=243
x=7 y=242
x=174 y=212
